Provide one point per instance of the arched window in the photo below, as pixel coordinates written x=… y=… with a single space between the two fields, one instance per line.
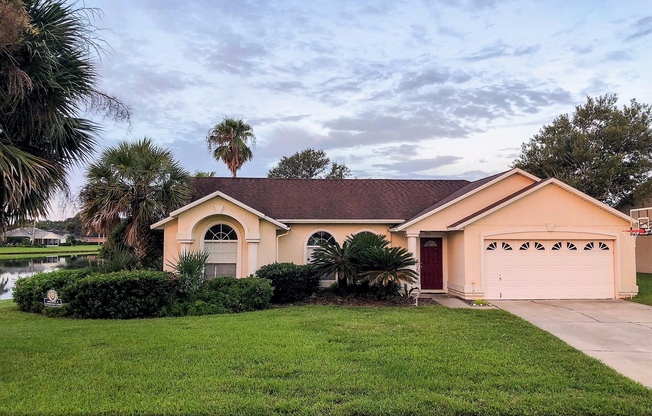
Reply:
x=320 y=237
x=221 y=244
x=315 y=240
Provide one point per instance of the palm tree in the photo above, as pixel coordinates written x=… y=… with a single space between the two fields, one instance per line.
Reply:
x=229 y=143
x=27 y=182
x=139 y=182
x=48 y=52
x=366 y=240
x=388 y=265
x=342 y=261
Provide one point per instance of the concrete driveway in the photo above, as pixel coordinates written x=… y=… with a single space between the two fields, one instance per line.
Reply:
x=616 y=332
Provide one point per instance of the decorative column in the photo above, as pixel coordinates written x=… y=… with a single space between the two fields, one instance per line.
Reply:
x=252 y=253
x=412 y=243
x=185 y=241
x=412 y=239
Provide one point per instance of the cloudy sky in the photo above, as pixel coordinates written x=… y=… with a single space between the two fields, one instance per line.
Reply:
x=393 y=89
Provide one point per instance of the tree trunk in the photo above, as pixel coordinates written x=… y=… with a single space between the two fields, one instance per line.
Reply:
x=342 y=284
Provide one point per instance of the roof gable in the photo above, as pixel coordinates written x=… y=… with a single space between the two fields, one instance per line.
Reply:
x=527 y=191
x=208 y=197
x=463 y=193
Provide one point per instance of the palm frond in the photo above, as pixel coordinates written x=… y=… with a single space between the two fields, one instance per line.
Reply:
x=47 y=73
x=137 y=181
x=389 y=265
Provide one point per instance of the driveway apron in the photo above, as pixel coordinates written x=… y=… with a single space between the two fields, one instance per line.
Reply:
x=616 y=332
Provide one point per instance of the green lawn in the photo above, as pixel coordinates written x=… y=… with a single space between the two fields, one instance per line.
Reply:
x=644 y=282
x=26 y=252
x=304 y=360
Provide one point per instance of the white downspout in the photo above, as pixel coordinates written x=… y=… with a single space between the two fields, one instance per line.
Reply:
x=277 y=238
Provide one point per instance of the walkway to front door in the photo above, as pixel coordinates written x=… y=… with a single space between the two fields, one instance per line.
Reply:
x=432 y=274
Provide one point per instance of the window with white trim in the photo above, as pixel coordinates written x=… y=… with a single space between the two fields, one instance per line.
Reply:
x=221 y=244
x=316 y=240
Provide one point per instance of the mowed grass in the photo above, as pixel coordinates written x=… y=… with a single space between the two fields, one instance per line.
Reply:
x=644 y=282
x=309 y=360
x=26 y=252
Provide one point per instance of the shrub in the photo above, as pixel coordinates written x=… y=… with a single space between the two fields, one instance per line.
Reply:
x=115 y=259
x=18 y=241
x=291 y=282
x=190 y=269
x=230 y=295
x=366 y=290
x=29 y=292
x=138 y=294
x=121 y=295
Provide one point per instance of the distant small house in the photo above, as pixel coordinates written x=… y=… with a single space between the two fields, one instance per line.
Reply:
x=93 y=238
x=37 y=236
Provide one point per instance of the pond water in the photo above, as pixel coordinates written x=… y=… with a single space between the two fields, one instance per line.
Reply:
x=17 y=268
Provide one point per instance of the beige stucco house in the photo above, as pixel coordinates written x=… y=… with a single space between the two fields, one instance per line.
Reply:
x=508 y=236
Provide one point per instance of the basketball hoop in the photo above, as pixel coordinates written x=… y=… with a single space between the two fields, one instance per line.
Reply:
x=640 y=224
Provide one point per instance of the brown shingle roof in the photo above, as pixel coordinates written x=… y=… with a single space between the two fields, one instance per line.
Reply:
x=331 y=198
x=460 y=192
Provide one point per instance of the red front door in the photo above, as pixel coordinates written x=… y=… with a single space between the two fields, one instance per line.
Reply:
x=432 y=274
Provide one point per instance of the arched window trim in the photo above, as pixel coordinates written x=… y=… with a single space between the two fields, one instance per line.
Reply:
x=239 y=240
x=307 y=247
x=321 y=238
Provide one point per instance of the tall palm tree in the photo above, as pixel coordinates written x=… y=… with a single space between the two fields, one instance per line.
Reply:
x=139 y=182
x=26 y=181
x=229 y=143
x=48 y=51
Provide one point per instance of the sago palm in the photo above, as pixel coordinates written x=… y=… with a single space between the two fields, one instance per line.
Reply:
x=367 y=240
x=139 y=182
x=337 y=260
x=229 y=142
x=389 y=265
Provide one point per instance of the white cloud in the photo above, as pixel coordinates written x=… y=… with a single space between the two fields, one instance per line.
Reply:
x=378 y=85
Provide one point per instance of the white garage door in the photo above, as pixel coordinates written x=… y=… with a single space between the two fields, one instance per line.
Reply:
x=549 y=269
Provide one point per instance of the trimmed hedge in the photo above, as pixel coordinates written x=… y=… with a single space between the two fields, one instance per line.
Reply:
x=291 y=282
x=29 y=292
x=231 y=295
x=121 y=295
x=138 y=294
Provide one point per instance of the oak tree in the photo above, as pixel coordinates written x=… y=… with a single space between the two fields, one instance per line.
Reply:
x=601 y=149
x=309 y=164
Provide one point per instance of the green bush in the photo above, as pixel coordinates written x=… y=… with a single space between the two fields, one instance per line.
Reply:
x=29 y=292
x=115 y=259
x=121 y=295
x=14 y=241
x=138 y=294
x=291 y=282
x=237 y=295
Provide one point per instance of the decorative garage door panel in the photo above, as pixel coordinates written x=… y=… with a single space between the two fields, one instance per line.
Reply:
x=549 y=269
